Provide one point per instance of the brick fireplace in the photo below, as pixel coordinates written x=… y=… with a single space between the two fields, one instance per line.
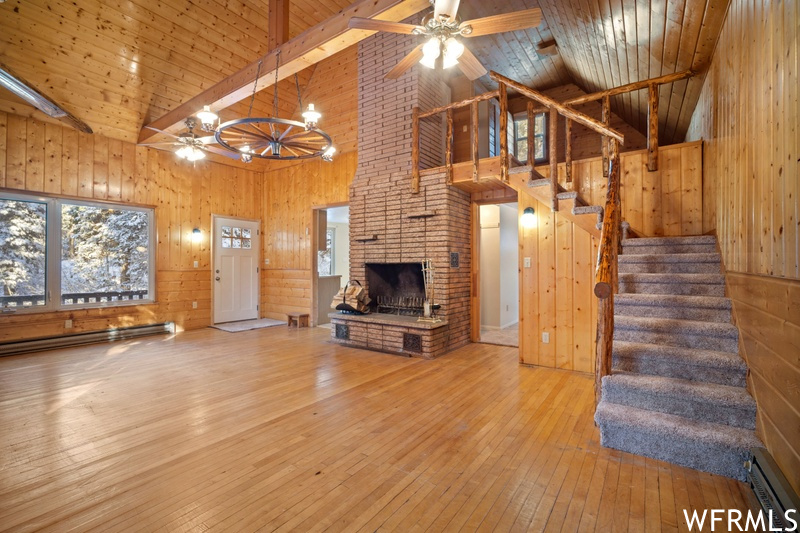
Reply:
x=389 y=224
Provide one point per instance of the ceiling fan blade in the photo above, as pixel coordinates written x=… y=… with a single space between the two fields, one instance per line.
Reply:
x=220 y=151
x=518 y=20
x=168 y=134
x=406 y=63
x=359 y=23
x=210 y=139
x=471 y=65
x=160 y=145
x=446 y=9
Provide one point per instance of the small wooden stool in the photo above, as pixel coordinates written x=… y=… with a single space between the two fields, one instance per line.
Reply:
x=298 y=320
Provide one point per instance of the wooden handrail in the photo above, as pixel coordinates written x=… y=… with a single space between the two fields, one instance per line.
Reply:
x=463 y=103
x=635 y=86
x=606 y=276
x=577 y=116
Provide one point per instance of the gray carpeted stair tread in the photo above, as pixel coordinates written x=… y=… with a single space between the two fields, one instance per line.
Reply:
x=587 y=210
x=666 y=241
x=567 y=195
x=539 y=183
x=710 y=366
x=709 y=402
x=670 y=258
x=669 y=248
x=706 y=446
x=680 y=307
x=673 y=300
x=672 y=283
x=662 y=279
x=714 y=336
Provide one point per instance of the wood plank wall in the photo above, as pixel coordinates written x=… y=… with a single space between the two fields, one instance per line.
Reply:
x=46 y=158
x=748 y=116
x=290 y=194
x=556 y=291
x=667 y=202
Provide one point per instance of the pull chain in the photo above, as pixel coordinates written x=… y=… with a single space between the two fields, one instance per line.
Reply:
x=275 y=90
x=299 y=99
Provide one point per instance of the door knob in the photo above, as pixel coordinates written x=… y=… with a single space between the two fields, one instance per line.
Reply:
x=217 y=278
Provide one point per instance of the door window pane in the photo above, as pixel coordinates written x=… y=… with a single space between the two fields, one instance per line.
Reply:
x=104 y=254
x=23 y=237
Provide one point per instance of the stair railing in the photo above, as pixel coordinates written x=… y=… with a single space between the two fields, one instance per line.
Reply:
x=607 y=272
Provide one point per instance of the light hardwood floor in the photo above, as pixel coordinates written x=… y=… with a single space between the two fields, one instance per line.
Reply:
x=277 y=429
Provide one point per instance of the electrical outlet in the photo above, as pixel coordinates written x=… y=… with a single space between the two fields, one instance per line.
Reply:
x=465 y=128
x=266 y=261
x=194 y=305
x=68 y=324
x=196 y=264
x=546 y=337
x=527 y=262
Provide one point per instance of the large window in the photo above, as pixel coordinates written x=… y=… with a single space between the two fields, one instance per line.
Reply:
x=59 y=254
x=521 y=133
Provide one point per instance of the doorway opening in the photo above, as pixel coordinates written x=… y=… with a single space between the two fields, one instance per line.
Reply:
x=331 y=252
x=235 y=272
x=499 y=274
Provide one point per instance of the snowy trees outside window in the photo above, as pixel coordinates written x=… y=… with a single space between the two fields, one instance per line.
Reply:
x=23 y=232
x=79 y=253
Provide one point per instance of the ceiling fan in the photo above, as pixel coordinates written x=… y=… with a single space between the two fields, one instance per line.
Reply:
x=443 y=26
x=189 y=146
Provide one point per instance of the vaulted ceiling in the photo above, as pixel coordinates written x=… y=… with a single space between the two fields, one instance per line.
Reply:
x=118 y=64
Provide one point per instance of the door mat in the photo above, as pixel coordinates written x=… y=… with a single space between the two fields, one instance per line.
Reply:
x=246 y=325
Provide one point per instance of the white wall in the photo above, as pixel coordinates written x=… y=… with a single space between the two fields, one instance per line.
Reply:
x=490 y=266
x=341 y=250
x=509 y=265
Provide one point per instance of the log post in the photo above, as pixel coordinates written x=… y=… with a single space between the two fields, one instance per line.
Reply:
x=568 y=154
x=553 y=149
x=503 y=131
x=605 y=118
x=448 y=150
x=474 y=113
x=652 y=130
x=415 y=150
x=531 y=155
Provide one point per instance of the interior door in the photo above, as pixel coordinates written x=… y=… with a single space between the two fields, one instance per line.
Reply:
x=235 y=269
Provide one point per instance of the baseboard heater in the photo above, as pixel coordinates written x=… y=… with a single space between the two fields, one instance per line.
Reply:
x=771 y=487
x=78 y=339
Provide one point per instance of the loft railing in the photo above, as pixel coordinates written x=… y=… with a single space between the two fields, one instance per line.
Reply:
x=30 y=301
x=607 y=272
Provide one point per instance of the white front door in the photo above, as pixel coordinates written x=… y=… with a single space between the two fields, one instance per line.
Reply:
x=235 y=269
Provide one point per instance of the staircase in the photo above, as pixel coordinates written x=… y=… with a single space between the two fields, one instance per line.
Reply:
x=677 y=387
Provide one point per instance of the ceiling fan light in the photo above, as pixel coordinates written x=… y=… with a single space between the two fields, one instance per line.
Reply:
x=311 y=116
x=452 y=51
x=207 y=118
x=196 y=155
x=430 y=52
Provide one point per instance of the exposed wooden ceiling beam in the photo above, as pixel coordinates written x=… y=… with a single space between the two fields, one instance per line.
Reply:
x=278 y=23
x=308 y=48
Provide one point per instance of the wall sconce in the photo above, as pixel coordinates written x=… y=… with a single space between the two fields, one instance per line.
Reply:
x=197 y=235
x=528 y=218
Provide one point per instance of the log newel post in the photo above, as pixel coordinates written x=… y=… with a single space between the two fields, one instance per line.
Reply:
x=474 y=113
x=568 y=154
x=415 y=150
x=605 y=118
x=448 y=152
x=531 y=156
x=606 y=275
x=503 y=133
x=652 y=127
x=553 y=156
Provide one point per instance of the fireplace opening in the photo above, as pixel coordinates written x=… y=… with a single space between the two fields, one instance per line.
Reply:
x=396 y=288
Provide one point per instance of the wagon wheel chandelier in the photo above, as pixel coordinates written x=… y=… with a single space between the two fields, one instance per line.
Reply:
x=272 y=137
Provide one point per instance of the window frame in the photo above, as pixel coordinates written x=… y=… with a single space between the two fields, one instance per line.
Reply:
x=54 y=204
x=544 y=135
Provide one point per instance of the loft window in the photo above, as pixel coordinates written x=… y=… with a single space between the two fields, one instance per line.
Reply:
x=63 y=254
x=520 y=145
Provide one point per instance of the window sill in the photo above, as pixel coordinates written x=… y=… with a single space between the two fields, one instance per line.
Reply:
x=77 y=307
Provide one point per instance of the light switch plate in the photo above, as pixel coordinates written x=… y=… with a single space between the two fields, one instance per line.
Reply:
x=266 y=261
x=68 y=324
x=194 y=305
x=196 y=264
x=527 y=262
x=546 y=337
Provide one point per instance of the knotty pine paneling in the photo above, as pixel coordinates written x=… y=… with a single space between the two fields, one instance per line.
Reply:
x=748 y=116
x=767 y=311
x=556 y=291
x=290 y=194
x=44 y=158
x=667 y=202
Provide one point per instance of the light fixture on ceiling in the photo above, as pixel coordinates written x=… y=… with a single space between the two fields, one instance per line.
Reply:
x=273 y=137
x=208 y=119
x=452 y=51
x=191 y=148
x=430 y=52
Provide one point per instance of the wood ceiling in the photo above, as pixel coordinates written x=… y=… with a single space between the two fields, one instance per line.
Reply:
x=120 y=64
